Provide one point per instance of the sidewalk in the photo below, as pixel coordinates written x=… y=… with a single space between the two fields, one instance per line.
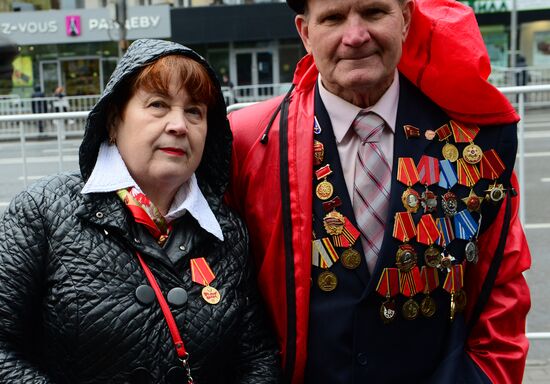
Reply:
x=537 y=372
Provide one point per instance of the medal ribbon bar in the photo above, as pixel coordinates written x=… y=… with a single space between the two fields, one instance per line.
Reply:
x=426 y=231
x=454 y=279
x=388 y=285
x=410 y=282
x=404 y=229
x=491 y=165
x=428 y=170
x=445 y=230
x=447 y=177
x=406 y=171
x=201 y=272
x=430 y=276
x=465 y=225
x=468 y=174
x=463 y=132
x=443 y=132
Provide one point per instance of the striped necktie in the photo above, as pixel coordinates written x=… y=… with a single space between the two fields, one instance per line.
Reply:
x=371 y=190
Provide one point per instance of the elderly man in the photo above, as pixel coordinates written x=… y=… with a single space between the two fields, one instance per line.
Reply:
x=382 y=204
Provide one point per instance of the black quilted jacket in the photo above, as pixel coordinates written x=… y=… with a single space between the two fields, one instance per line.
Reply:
x=69 y=312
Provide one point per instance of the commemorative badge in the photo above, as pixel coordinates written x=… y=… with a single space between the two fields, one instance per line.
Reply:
x=410 y=283
x=411 y=200
x=450 y=152
x=324 y=189
x=454 y=282
x=316 y=126
x=432 y=257
x=411 y=131
x=472 y=153
x=202 y=274
x=429 y=134
x=327 y=281
x=473 y=202
x=495 y=193
x=428 y=173
x=350 y=258
x=334 y=223
x=388 y=288
x=318 y=152
x=407 y=174
x=471 y=252
x=428 y=200
x=449 y=203
x=406 y=258
x=428 y=305
x=410 y=309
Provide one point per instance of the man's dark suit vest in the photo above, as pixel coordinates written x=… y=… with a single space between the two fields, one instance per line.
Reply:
x=348 y=342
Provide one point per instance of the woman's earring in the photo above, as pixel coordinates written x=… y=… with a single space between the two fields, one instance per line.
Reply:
x=112 y=140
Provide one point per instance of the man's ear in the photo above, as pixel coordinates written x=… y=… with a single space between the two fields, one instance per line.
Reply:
x=302 y=27
x=408 y=11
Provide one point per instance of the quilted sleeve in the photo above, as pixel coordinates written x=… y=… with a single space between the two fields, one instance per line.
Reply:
x=497 y=343
x=22 y=244
x=257 y=357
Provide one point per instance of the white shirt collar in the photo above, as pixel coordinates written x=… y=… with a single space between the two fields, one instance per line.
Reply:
x=342 y=113
x=110 y=174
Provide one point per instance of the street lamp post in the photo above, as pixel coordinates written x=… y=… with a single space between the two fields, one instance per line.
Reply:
x=121 y=15
x=513 y=37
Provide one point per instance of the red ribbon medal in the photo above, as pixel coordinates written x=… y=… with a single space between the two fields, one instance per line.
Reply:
x=426 y=230
x=348 y=236
x=443 y=132
x=454 y=279
x=467 y=173
x=430 y=276
x=388 y=285
x=428 y=170
x=464 y=132
x=410 y=283
x=202 y=274
x=404 y=229
x=491 y=165
x=406 y=171
x=408 y=175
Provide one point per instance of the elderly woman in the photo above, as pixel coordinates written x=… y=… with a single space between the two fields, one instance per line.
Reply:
x=133 y=270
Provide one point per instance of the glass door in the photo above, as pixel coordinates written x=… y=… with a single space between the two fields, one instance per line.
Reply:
x=50 y=76
x=254 y=67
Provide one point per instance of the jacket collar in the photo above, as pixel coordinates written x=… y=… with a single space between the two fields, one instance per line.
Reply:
x=110 y=174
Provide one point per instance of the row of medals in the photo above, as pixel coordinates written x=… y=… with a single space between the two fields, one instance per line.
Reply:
x=406 y=257
x=333 y=222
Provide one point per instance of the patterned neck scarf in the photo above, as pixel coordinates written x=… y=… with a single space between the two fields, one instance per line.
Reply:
x=145 y=212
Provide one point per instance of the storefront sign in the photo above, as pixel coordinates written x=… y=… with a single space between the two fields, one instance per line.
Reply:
x=492 y=6
x=83 y=25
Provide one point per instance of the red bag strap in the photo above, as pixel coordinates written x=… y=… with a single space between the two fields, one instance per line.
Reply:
x=176 y=337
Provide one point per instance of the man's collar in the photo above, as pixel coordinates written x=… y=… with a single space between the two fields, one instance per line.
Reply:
x=342 y=113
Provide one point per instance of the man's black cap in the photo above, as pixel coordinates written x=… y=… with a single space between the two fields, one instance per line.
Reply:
x=297 y=5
